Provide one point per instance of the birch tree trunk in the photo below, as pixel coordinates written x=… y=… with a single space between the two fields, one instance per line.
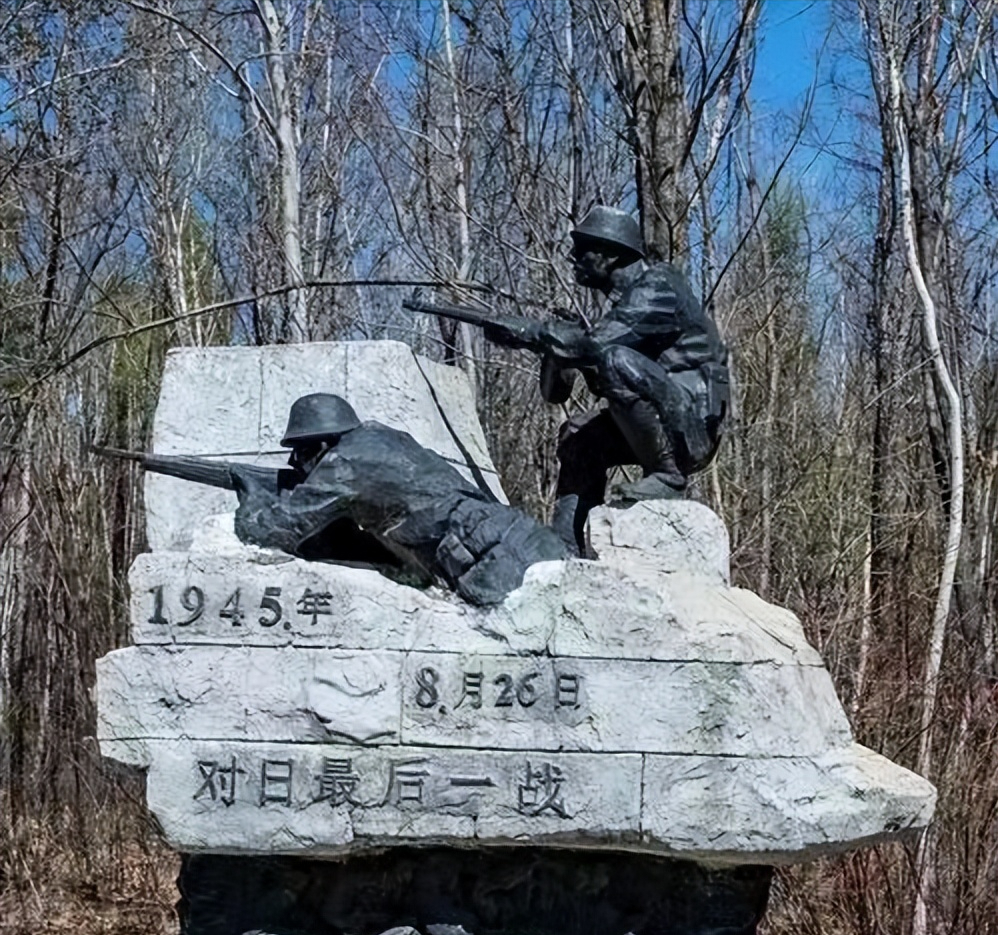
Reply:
x=464 y=257
x=951 y=412
x=296 y=325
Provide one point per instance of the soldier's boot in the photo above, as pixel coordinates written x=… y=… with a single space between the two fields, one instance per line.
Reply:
x=658 y=485
x=641 y=424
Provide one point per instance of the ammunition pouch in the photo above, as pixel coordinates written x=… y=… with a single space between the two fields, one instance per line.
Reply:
x=718 y=402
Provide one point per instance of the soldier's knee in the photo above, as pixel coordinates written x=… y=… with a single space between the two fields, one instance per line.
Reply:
x=616 y=359
x=625 y=370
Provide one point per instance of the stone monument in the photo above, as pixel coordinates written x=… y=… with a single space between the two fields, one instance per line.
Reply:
x=335 y=751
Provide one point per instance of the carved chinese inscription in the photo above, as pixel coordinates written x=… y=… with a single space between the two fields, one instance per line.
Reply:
x=405 y=782
x=472 y=690
x=476 y=689
x=218 y=781
x=314 y=604
x=568 y=690
x=421 y=782
x=338 y=781
x=540 y=790
x=183 y=606
x=275 y=781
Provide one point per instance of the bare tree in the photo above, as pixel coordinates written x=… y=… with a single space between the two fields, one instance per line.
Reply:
x=924 y=90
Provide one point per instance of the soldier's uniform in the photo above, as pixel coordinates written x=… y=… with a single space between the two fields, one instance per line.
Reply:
x=378 y=496
x=658 y=361
x=662 y=369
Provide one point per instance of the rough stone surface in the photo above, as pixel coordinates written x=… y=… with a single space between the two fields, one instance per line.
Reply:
x=461 y=700
x=575 y=608
x=635 y=703
x=233 y=403
x=282 y=706
x=664 y=536
x=383 y=796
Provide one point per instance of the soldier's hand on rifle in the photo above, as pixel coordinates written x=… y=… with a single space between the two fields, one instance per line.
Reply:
x=523 y=335
x=247 y=484
x=567 y=342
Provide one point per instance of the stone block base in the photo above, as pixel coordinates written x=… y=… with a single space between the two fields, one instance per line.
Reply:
x=491 y=891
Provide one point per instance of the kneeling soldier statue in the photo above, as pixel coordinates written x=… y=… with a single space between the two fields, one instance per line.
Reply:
x=655 y=357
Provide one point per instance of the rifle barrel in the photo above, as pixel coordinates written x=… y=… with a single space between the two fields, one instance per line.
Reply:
x=471 y=316
x=208 y=471
x=186 y=467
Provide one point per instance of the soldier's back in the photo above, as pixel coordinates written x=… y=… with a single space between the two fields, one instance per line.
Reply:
x=394 y=484
x=667 y=321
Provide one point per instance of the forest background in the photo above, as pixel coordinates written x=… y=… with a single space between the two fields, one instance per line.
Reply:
x=177 y=173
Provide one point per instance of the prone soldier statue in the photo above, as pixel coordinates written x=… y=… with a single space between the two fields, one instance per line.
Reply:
x=656 y=359
x=364 y=493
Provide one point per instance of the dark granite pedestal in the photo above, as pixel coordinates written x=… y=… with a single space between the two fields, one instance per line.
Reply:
x=512 y=891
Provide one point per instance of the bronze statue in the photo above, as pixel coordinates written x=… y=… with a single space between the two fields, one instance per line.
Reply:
x=363 y=493
x=655 y=357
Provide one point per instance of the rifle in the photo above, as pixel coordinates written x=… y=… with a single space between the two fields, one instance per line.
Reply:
x=561 y=345
x=206 y=471
x=506 y=330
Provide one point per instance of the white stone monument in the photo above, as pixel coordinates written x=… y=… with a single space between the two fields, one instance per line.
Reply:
x=633 y=703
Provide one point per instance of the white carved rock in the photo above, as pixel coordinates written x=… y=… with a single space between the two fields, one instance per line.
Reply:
x=283 y=706
x=635 y=702
x=232 y=403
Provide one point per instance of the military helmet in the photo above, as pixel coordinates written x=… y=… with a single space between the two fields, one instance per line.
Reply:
x=318 y=417
x=610 y=225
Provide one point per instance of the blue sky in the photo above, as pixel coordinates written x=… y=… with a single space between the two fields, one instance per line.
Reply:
x=792 y=33
x=795 y=52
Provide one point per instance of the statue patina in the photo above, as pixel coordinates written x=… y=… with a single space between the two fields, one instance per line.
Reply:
x=364 y=493
x=410 y=500
x=656 y=359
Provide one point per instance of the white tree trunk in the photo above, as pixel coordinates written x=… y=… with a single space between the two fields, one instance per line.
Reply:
x=460 y=187
x=952 y=416
x=983 y=560
x=286 y=140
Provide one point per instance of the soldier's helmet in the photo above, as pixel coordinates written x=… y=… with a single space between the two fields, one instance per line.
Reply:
x=610 y=226
x=318 y=417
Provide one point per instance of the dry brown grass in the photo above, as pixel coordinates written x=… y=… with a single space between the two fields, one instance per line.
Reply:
x=107 y=876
